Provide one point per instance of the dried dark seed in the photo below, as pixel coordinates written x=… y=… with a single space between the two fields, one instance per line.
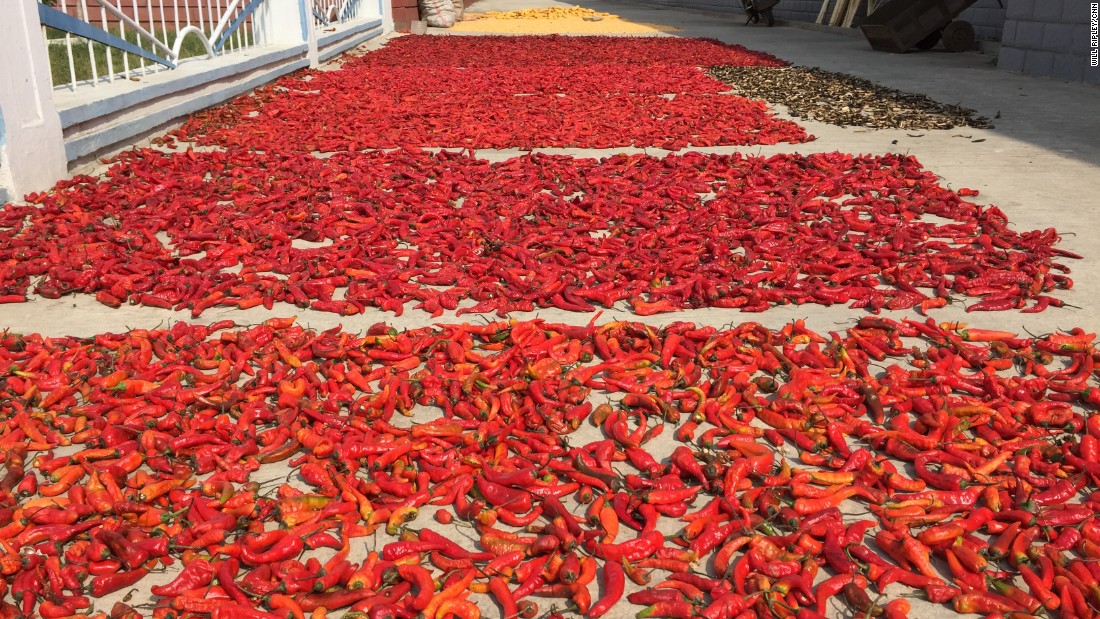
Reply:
x=840 y=99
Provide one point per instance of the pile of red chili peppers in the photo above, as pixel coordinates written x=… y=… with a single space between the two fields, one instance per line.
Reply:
x=447 y=231
x=127 y=452
x=530 y=52
x=690 y=471
x=504 y=92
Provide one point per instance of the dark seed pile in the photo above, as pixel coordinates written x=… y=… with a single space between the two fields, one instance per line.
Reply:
x=840 y=99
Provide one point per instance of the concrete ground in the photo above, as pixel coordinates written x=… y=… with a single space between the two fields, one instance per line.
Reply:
x=1040 y=165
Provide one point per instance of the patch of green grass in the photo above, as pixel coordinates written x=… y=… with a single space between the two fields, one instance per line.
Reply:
x=82 y=60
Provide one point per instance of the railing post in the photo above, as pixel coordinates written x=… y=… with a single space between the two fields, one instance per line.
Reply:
x=32 y=149
x=311 y=33
x=385 y=11
x=287 y=22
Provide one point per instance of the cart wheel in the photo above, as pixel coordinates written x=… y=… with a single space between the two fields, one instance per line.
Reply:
x=930 y=41
x=769 y=17
x=958 y=36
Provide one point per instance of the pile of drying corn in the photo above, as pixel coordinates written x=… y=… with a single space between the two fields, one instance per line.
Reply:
x=548 y=12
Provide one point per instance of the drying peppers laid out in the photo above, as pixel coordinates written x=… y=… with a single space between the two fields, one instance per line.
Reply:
x=567 y=51
x=448 y=231
x=367 y=116
x=610 y=78
x=974 y=454
x=492 y=92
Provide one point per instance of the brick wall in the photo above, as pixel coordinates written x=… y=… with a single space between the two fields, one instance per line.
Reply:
x=1048 y=38
x=404 y=13
x=168 y=11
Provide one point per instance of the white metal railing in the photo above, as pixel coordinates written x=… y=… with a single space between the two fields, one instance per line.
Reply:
x=328 y=13
x=121 y=40
x=97 y=41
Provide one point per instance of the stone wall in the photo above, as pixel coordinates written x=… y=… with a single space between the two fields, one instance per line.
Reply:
x=1048 y=38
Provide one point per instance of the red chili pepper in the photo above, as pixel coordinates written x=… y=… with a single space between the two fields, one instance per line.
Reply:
x=640 y=547
x=647 y=597
x=939 y=593
x=671 y=610
x=503 y=596
x=614 y=583
x=422 y=581
x=197 y=573
x=332 y=600
x=501 y=496
x=286 y=547
x=109 y=583
x=983 y=603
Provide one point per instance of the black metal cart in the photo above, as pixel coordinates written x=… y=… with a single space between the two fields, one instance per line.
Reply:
x=759 y=9
x=900 y=25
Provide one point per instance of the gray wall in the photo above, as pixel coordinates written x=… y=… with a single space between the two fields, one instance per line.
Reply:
x=1038 y=37
x=801 y=10
x=1048 y=38
x=986 y=15
x=790 y=10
